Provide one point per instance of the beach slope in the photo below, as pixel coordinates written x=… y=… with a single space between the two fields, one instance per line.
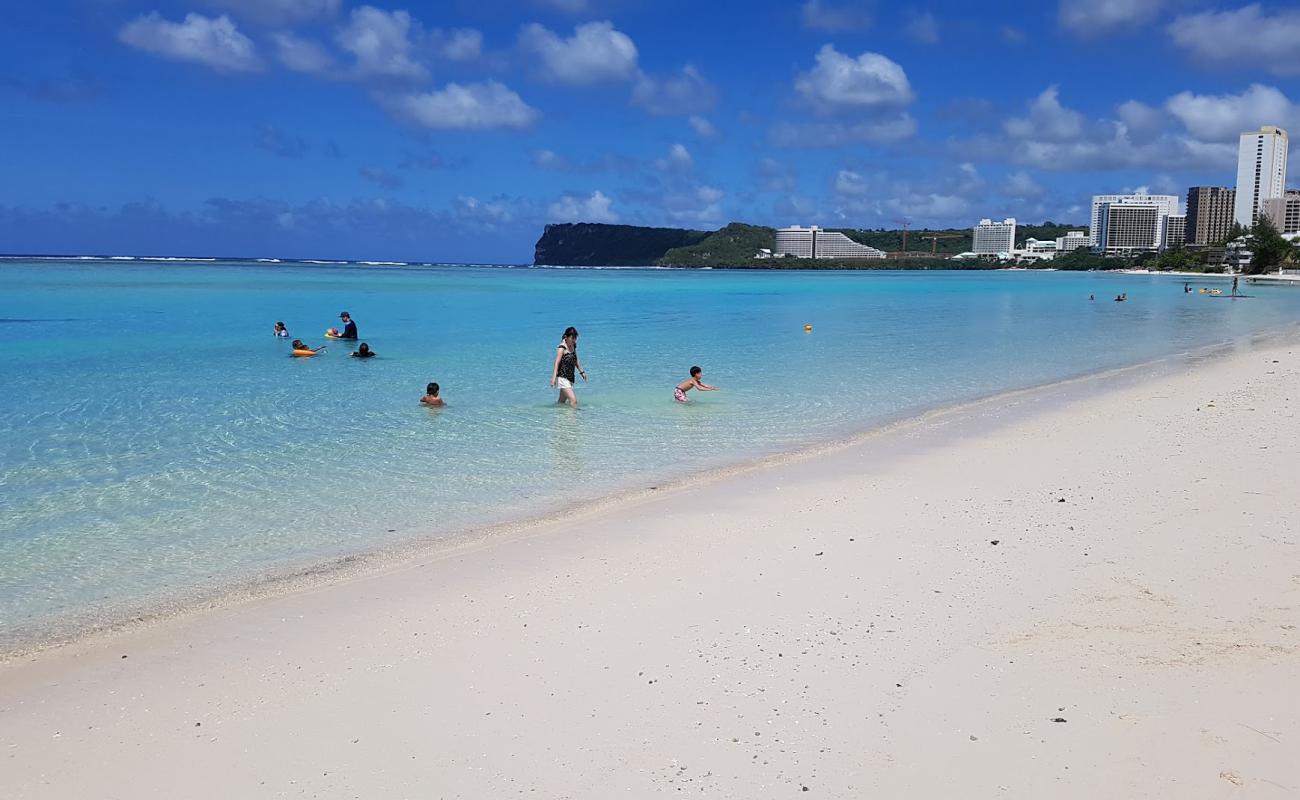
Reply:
x=1086 y=591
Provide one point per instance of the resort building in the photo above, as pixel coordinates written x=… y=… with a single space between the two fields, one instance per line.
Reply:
x=1072 y=240
x=1285 y=211
x=1175 y=231
x=814 y=242
x=995 y=238
x=1037 y=250
x=1261 y=172
x=1210 y=212
x=1125 y=223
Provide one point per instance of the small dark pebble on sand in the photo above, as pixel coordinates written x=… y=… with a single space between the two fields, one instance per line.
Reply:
x=1062 y=500
x=994 y=541
x=804 y=789
x=822 y=553
x=123 y=656
x=1058 y=719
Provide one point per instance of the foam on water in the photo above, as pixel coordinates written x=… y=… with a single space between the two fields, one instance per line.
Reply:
x=155 y=437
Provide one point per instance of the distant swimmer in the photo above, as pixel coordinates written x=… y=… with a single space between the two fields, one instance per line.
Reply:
x=1092 y=297
x=364 y=351
x=281 y=331
x=693 y=382
x=1187 y=288
x=431 y=397
x=1120 y=298
x=567 y=367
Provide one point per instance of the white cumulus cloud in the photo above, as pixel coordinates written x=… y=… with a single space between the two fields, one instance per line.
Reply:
x=381 y=43
x=215 y=43
x=686 y=92
x=473 y=106
x=460 y=44
x=274 y=12
x=1093 y=18
x=595 y=53
x=840 y=82
x=702 y=127
x=1048 y=120
x=1245 y=37
x=302 y=55
x=836 y=17
x=678 y=160
x=1222 y=118
x=572 y=208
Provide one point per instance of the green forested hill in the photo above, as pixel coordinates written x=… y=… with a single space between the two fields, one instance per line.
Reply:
x=596 y=244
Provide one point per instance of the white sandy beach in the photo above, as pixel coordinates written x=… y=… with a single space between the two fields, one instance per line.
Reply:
x=1091 y=591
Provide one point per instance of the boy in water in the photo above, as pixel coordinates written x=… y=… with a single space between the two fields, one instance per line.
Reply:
x=431 y=397
x=693 y=382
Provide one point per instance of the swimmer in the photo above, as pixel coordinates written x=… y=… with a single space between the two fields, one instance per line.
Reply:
x=298 y=345
x=431 y=397
x=281 y=331
x=693 y=382
x=349 y=327
x=364 y=351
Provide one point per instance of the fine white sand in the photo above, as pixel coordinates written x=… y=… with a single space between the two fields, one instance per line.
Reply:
x=843 y=623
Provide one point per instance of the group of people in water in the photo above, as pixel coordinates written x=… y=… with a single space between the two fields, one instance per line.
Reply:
x=564 y=370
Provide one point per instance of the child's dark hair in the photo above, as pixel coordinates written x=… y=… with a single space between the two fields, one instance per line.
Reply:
x=695 y=371
x=431 y=389
x=570 y=331
x=279 y=324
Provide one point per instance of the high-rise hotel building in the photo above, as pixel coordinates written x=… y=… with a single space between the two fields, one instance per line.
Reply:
x=1210 y=212
x=813 y=242
x=1261 y=172
x=1285 y=211
x=994 y=238
x=1123 y=223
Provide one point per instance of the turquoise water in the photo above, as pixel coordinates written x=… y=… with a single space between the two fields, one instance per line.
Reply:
x=155 y=438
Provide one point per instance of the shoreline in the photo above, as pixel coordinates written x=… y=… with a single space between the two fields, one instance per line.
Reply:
x=1071 y=594
x=89 y=625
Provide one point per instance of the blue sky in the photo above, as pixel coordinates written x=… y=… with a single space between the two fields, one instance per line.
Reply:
x=456 y=130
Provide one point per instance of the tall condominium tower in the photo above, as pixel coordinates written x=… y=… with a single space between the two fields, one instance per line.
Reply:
x=1210 y=211
x=1261 y=172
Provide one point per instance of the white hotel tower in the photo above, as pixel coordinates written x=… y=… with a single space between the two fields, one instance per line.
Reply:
x=1261 y=172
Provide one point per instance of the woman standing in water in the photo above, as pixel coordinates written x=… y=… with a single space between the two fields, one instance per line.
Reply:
x=567 y=367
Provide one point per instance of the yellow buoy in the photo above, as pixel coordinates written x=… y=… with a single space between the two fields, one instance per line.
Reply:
x=807 y=329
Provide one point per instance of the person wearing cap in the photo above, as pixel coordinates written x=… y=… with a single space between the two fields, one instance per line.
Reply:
x=349 y=327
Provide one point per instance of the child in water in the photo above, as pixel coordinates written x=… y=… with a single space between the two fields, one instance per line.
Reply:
x=298 y=345
x=281 y=331
x=693 y=382
x=431 y=397
x=364 y=351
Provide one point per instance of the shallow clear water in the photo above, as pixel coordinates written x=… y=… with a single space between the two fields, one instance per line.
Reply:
x=154 y=437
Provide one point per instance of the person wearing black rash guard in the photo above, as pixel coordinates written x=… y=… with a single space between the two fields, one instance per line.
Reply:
x=349 y=327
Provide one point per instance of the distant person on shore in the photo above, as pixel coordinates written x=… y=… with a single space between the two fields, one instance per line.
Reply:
x=281 y=331
x=364 y=351
x=349 y=327
x=431 y=397
x=567 y=367
x=693 y=382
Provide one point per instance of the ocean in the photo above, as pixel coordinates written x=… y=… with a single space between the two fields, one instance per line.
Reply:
x=157 y=441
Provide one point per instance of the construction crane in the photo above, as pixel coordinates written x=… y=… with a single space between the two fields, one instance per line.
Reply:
x=935 y=237
x=905 y=221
